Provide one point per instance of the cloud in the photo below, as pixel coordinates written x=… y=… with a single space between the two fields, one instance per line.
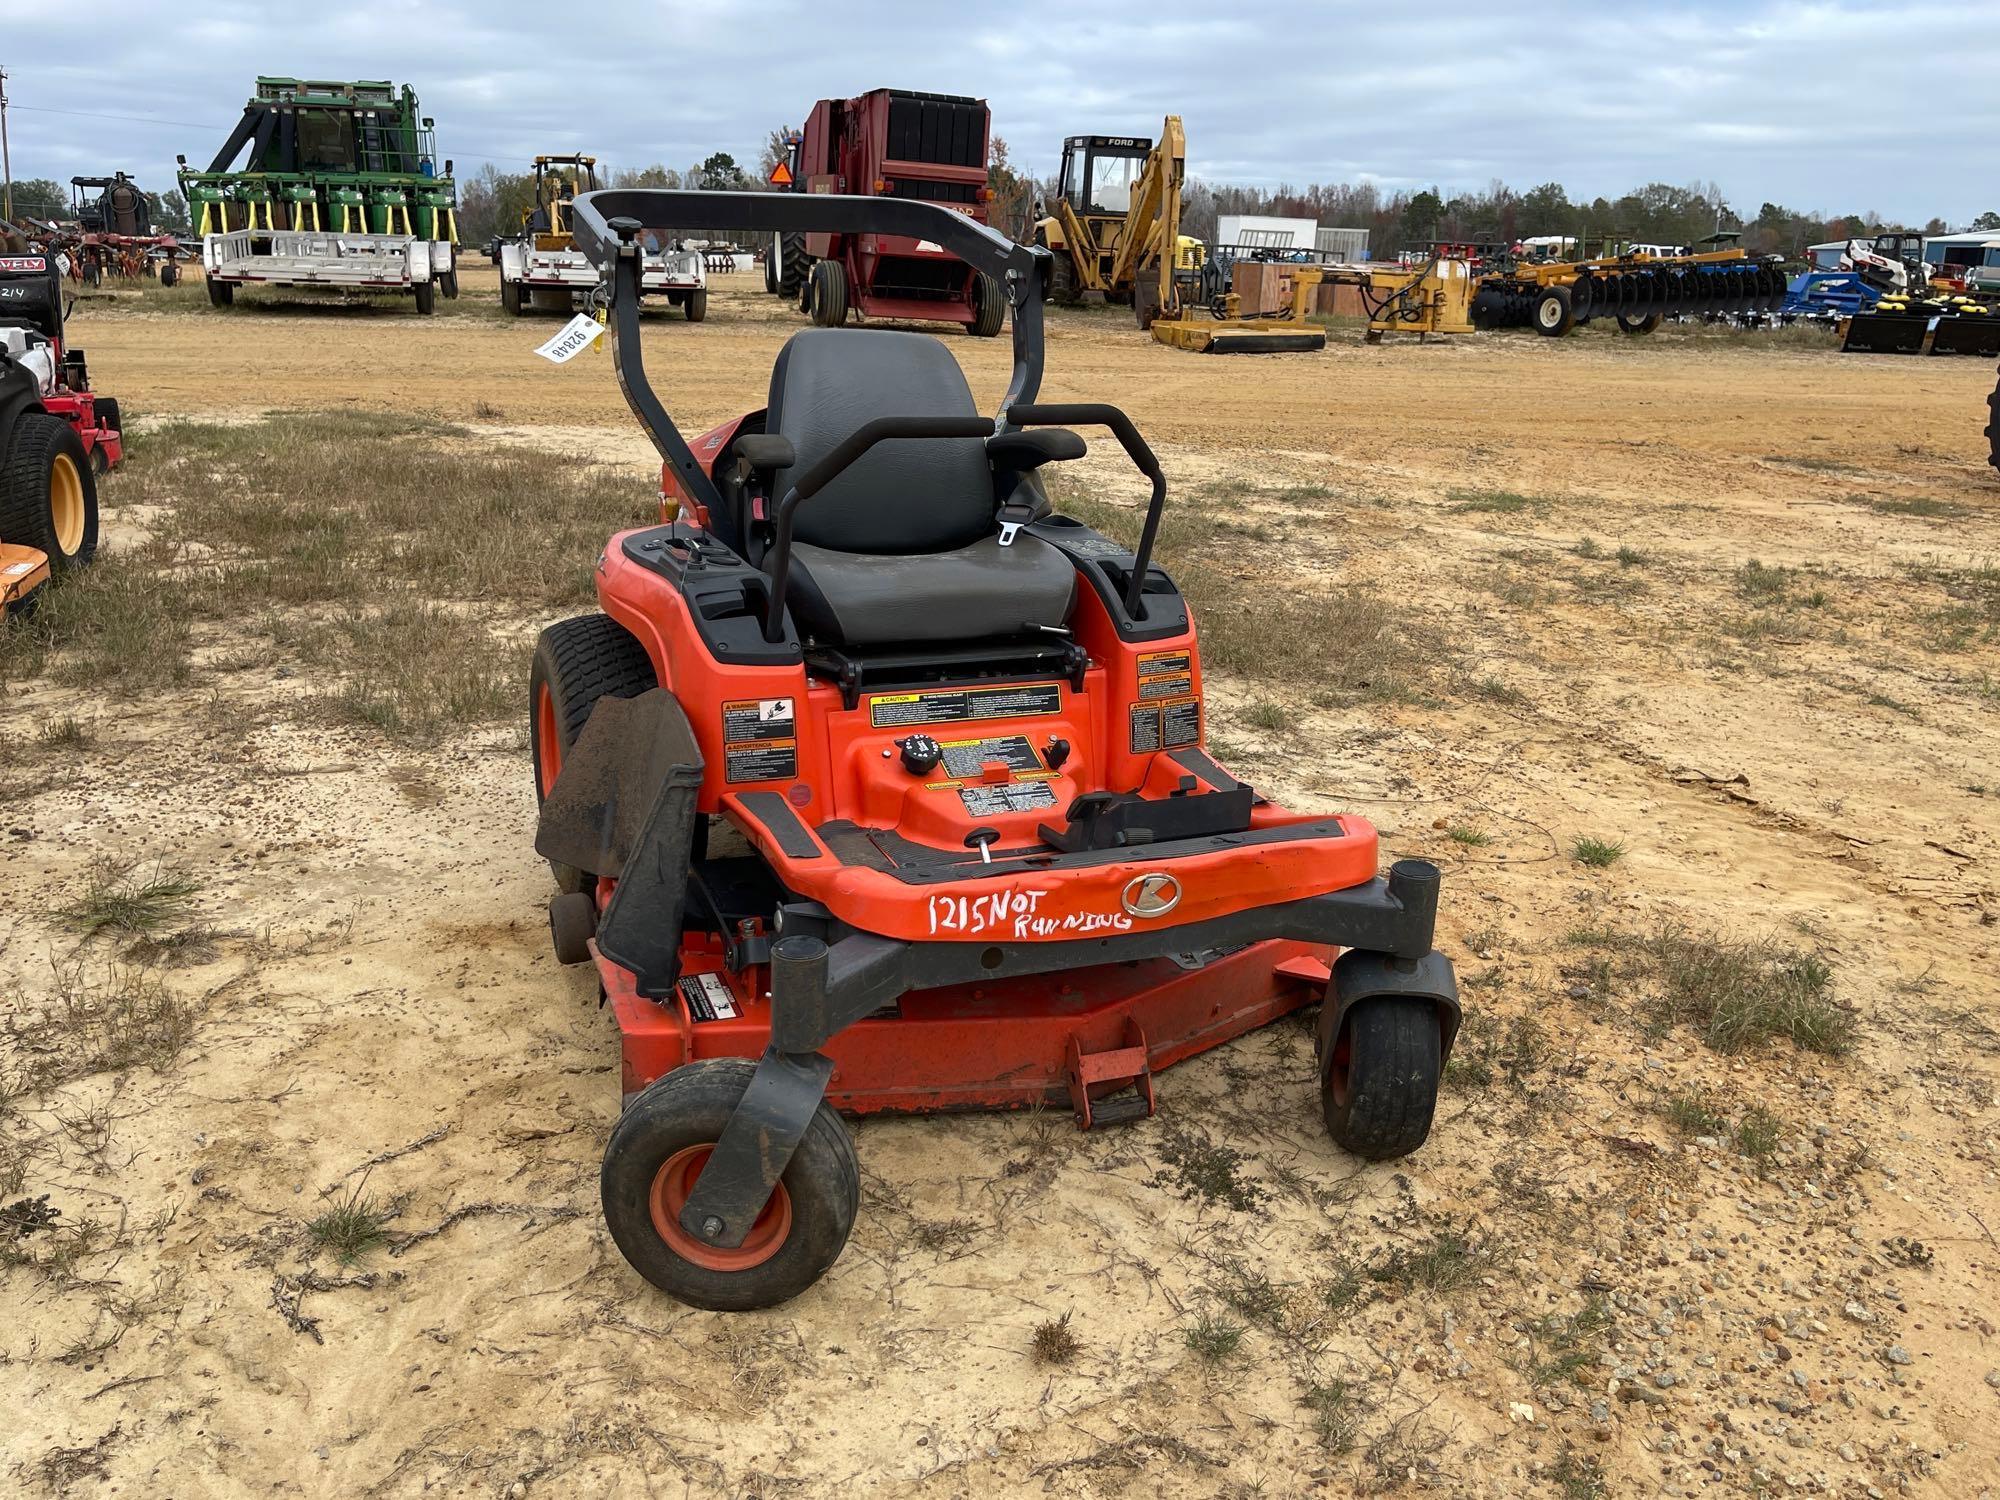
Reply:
x=1827 y=106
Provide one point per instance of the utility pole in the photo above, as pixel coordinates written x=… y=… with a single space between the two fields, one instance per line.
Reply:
x=6 y=161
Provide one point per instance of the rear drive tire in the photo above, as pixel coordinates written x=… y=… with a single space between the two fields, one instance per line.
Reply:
x=989 y=306
x=793 y=264
x=1553 y=313
x=48 y=494
x=576 y=663
x=696 y=305
x=1379 y=1089
x=426 y=294
x=654 y=1157
x=221 y=293
x=829 y=294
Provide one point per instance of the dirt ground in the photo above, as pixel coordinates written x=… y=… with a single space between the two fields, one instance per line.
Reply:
x=1577 y=1287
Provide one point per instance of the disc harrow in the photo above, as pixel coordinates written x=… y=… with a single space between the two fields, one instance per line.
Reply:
x=1639 y=294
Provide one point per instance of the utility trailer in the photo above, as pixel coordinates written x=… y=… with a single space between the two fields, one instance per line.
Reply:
x=890 y=143
x=542 y=261
x=339 y=188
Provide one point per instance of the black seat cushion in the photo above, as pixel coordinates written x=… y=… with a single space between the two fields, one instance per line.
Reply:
x=977 y=592
x=905 y=495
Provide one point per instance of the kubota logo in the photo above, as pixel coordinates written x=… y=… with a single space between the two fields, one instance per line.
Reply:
x=1150 y=895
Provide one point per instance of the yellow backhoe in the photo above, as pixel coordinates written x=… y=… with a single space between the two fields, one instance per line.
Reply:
x=1115 y=227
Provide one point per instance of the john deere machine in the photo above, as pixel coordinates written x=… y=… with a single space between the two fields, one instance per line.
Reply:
x=1115 y=227
x=339 y=187
x=543 y=261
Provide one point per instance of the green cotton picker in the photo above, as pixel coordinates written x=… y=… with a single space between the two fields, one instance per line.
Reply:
x=340 y=188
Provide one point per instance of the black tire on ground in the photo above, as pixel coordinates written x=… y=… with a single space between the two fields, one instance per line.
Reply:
x=1379 y=1089
x=48 y=494
x=771 y=267
x=799 y=1235
x=511 y=300
x=1061 y=286
x=829 y=294
x=1640 y=325
x=1553 y=314
x=449 y=281
x=93 y=273
x=989 y=306
x=426 y=294
x=577 y=661
x=220 y=293
x=572 y=924
x=793 y=264
x=108 y=414
x=696 y=305
x=170 y=274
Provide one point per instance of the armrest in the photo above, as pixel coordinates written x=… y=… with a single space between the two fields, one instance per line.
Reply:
x=1030 y=450
x=767 y=450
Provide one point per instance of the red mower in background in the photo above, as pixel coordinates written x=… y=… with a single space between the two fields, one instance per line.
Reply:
x=878 y=786
x=898 y=144
x=56 y=437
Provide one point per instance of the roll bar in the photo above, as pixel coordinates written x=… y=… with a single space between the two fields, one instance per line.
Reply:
x=606 y=225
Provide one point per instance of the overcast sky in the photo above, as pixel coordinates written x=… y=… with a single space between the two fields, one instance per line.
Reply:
x=1837 y=107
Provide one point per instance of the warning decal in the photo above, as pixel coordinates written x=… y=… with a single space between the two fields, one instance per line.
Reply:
x=892 y=710
x=757 y=740
x=708 y=997
x=1165 y=674
x=1006 y=797
x=970 y=757
x=1165 y=726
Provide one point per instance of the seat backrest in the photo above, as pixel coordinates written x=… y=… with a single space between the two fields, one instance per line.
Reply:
x=901 y=496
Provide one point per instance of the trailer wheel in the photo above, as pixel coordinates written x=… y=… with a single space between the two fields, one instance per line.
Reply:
x=1378 y=1090
x=170 y=274
x=654 y=1158
x=793 y=263
x=1554 y=315
x=221 y=293
x=696 y=304
x=426 y=293
x=1640 y=325
x=989 y=306
x=511 y=300
x=48 y=494
x=577 y=662
x=449 y=281
x=829 y=294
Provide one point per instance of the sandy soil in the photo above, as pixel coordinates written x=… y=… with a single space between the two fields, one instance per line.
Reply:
x=380 y=1004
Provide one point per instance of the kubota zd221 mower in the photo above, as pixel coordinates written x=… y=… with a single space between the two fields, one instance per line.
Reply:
x=879 y=786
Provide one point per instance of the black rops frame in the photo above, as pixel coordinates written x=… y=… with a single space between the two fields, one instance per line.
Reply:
x=606 y=226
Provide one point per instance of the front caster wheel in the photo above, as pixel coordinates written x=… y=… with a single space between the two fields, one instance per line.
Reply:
x=653 y=1160
x=1379 y=1088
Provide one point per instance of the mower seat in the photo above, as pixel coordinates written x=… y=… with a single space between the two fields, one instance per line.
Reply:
x=903 y=547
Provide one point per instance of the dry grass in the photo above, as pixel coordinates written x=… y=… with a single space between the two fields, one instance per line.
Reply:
x=128 y=903
x=93 y=1021
x=1737 y=993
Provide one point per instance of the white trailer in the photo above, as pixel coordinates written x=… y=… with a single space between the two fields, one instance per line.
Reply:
x=393 y=264
x=564 y=279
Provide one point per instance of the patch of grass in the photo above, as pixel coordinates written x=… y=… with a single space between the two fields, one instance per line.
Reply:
x=66 y=733
x=1054 y=1343
x=1566 y=1347
x=116 y=627
x=1757 y=1136
x=1756 y=581
x=1631 y=557
x=1738 y=994
x=89 y=1022
x=1691 y=1112
x=1921 y=506
x=1444 y=1263
x=1493 y=690
x=1255 y=1297
x=1273 y=718
x=1578 y=1475
x=1599 y=854
x=1212 y=1339
x=1495 y=502
x=1197 y=1168
x=119 y=900
x=1588 y=548
x=415 y=671
x=352 y=1226
x=1817 y=465
x=1336 y=1415
x=1468 y=838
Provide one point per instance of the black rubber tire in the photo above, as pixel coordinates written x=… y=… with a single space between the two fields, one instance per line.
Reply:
x=1993 y=428
x=989 y=306
x=1379 y=1089
x=689 y=1107
x=572 y=924
x=221 y=293
x=771 y=267
x=1637 y=326
x=170 y=274
x=581 y=660
x=696 y=305
x=108 y=414
x=449 y=282
x=1552 y=313
x=27 y=490
x=511 y=300
x=426 y=295
x=1061 y=286
x=93 y=273
x=793 y=264
x=829 y=294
